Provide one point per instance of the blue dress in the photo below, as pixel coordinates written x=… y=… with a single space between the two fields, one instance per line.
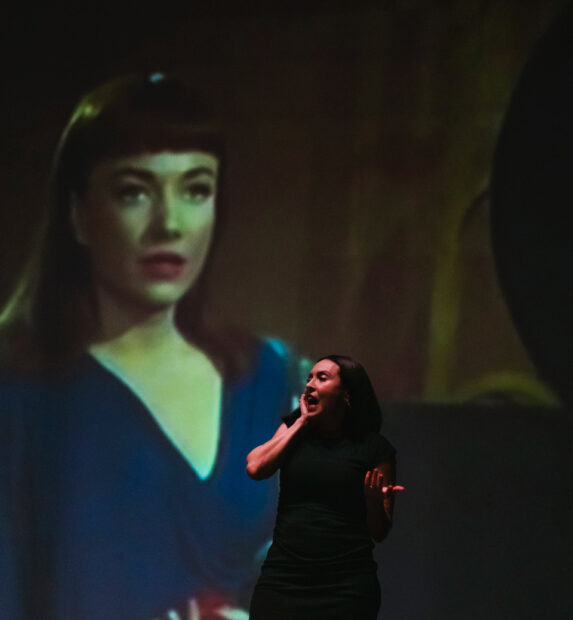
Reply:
x=102 y=517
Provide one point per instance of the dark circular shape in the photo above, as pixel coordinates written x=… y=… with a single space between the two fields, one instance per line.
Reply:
x=532 y=206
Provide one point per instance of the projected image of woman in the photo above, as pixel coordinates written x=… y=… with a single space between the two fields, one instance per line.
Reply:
x=337 y=491
x=124 y=414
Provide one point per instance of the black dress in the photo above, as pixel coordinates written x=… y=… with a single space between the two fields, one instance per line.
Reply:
x=320 y=562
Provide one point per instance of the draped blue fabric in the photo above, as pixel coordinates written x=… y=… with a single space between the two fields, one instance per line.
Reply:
x=102 y=517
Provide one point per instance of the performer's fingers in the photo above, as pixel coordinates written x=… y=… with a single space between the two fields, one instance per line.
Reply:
x=391 y=489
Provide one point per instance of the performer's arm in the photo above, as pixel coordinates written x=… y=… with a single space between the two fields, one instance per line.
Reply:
x=264 y=460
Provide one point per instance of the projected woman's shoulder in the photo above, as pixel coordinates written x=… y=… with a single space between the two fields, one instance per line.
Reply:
x=125 y=413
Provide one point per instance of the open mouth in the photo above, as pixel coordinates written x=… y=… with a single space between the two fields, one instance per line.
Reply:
x=311 y=400
x=169 y=258
x=162 y=265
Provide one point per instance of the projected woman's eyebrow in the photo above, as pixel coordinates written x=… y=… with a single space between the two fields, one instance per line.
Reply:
x=147 y=175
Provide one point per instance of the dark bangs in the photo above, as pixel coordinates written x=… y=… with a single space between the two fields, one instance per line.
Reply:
x=129 y=115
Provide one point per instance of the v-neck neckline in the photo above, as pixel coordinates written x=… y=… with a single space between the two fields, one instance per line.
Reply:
x=151 y=422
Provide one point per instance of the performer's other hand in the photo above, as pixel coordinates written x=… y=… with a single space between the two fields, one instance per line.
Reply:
x=374 y=488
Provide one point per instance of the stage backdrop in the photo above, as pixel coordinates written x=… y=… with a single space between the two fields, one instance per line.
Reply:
x=360 y=147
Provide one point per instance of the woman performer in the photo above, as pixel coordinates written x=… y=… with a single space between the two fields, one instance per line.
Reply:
x=336 y=495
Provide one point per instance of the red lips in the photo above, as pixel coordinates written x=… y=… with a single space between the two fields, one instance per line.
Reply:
x=162 y=265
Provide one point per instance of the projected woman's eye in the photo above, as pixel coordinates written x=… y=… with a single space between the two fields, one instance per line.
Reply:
x=133 y=194
x=199 y=192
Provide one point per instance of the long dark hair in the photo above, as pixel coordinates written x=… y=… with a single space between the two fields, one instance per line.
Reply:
x=364 y=414
x=51 y=315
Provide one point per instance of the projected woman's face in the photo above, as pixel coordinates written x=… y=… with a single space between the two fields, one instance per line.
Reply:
x=147 y=221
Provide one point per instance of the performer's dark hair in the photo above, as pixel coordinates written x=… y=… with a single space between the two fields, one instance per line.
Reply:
x=364 y=415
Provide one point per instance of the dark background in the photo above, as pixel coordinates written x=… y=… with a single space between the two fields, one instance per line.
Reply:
x=483 y=530
x=361 y=140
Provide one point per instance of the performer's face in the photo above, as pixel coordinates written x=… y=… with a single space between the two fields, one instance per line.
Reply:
x=324 y=392
x=147 y=221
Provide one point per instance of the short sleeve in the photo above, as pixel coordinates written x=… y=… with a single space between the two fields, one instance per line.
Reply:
x=379 y=450
x=290 y=419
